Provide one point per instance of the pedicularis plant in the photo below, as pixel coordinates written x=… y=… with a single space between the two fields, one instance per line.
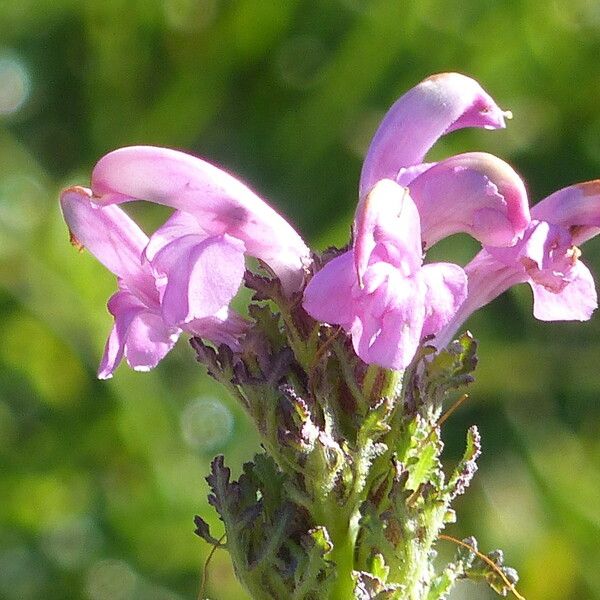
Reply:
x=345 y=360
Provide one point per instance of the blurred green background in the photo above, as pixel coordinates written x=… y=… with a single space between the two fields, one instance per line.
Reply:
x=99 y=481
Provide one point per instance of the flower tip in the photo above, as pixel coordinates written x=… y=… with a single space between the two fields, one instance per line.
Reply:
x=77 y=190
x=507 y=114
x=589 y=188
x=75 y=242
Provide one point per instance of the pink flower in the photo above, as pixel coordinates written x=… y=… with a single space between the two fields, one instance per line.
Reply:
x=144 y=332
x=474 y=193
x=436 y=106
x=389 y=301
x=384 y=297
x=185 y=275
x=546 y=257
x=218 y=206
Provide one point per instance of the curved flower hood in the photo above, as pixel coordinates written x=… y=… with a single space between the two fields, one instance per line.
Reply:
x=219 y=203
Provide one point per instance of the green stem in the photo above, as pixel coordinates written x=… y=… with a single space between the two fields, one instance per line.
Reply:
x=418 y=572
x=343 y=537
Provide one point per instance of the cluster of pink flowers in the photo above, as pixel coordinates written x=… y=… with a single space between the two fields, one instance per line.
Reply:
x=185 y=275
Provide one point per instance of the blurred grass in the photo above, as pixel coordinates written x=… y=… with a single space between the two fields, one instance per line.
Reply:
x=100 y=480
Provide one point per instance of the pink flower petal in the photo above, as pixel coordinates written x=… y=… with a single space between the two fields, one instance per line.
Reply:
x=446 y=286
x=387 y=330
x=202 y=276
x=328 y=297
x=487 y=278
x=474 y=193
x=387 y=217
x=227 y=330
x=220 y=202
x=107 y=232
x=138 y=334
x=577 y=208
x=124 y=306
x=149 y=340
x=176 y=226
x=575 y=302
x=407 y=174
x=438 y=105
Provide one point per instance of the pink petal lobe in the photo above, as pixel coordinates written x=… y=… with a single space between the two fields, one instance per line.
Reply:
x=179 y=224
x=138 y=333
x=487 y=278
x=149 y=340
x=474 y=193
x=575 y=302
x=407 y=174
x=387 y=330
x=577 y=208
x=227 y=330
x=113 y=353
x=329 y=295
x=437 y=105
x=107 y=232
x=446 y=285
x=202 y=276
x=220 y=203
x=387 y=217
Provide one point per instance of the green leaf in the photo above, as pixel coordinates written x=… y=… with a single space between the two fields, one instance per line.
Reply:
x=315 y=573
x=465 y=470
x=449 y=369
x=268 y=323
x=203 y=530
x=370 y=587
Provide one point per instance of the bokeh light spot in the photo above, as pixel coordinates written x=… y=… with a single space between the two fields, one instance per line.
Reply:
x=190 y=15
x=21 y=202
x=206 y=423
x=15 y=84
x=21 y=576
x=111 y=580
x=72 y=543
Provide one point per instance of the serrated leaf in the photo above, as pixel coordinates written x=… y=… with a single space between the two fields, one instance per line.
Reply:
x=218 y=481
x=442 y=585
x=203 y=530
x=420 y=455
x=269 y=323
x=319 y=541
x=375 y=424
x=423 y=467
x=265 y=288
x=378 y=568
x=369 y=587
x=463 y=474
x=449 y=369
x=271 y=483
x=314 y=573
